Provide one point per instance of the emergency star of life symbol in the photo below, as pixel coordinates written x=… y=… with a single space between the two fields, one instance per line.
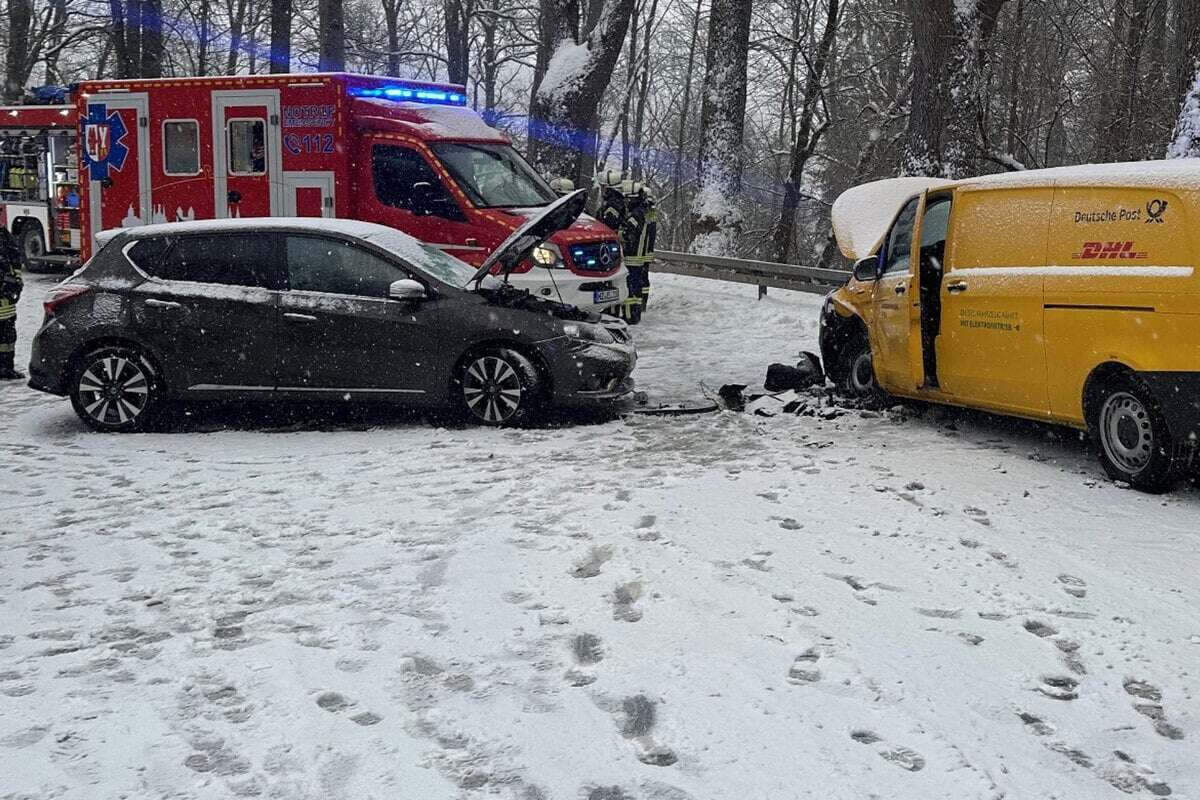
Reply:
x=104 y=135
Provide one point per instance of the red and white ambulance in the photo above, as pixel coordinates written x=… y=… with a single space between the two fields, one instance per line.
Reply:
x=405 y=154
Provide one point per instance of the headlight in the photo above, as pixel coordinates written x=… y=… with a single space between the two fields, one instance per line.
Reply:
x=586 y=332
x=548 y=255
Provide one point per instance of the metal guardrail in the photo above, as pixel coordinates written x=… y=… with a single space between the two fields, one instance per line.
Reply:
x=759 y=273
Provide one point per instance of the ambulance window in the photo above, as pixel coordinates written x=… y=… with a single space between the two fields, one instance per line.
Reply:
x=247 y=151
x=181 y=147
x=395 y=170
x=230 y=259
x=325 y=265
x=899 y=245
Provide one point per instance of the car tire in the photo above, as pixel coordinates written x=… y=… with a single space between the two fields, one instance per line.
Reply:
x=32 y=246
x=1131 y=436
x=856 y=372
x=498 y=387
x=116 y=389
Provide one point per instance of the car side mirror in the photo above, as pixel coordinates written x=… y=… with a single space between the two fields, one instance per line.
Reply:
x=407 y=289
x=866 y=269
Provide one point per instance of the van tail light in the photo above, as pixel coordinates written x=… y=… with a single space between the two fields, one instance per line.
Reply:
x=61 y=295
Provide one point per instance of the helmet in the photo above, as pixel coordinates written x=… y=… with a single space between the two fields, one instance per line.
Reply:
x=610 y=178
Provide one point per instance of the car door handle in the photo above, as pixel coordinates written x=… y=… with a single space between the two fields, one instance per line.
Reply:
x=302 y=318
x=957 y=288
x=901 y=288
x=162 y=304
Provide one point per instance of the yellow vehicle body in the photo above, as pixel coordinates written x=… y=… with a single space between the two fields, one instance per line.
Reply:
x=1018 y=294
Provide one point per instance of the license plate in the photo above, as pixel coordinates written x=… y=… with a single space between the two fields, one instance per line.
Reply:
x=606 y=295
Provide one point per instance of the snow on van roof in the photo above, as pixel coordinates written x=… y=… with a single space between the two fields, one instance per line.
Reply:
x=390 y=239
x=1182 y=173
x=434 y=121
x=861 y=215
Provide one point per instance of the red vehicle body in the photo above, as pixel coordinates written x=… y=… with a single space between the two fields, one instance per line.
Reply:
x=408 y=155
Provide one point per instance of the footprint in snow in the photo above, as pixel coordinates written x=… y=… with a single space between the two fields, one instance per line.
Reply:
x=902 y=757
x=1151 y=708
x=1039 y=628
x=978 y=515
x=1059 y=687
x=589 y=566
x=1123 y=772
x=640 y=716
x=588 y=651
x=1073 y=586
x=336 y=703
x=623 y=599
x=803 y=669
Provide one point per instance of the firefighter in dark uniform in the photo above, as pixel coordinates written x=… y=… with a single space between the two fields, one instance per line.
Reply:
x=10 y=292
x=628 y=208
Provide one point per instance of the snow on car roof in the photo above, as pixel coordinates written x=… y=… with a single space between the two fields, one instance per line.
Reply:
x=390 y=239
x=861 y=215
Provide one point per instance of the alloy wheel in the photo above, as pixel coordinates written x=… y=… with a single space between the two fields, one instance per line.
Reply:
x=114 y=390
x=492 y=389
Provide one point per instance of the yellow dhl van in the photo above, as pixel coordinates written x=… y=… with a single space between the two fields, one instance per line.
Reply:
x=1066 y=295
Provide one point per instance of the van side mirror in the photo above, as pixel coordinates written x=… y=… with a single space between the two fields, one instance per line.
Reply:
x=866 y=269
x=407 y=289
x=422 y=198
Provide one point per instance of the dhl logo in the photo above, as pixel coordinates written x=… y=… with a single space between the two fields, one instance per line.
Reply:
x=1122 y=251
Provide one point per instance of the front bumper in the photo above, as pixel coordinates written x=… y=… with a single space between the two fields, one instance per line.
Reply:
x=591 y=374
x=574 y=290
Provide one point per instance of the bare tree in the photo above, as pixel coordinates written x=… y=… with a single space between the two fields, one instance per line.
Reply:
x=575 y=63
x=332 y=24
x=717 y=220
x=459 y=14
x=281 y=36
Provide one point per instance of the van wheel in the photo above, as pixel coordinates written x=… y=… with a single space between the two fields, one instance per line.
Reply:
x=499 y=387
x=116 y=390
x=1131 y=437
x=857 y=370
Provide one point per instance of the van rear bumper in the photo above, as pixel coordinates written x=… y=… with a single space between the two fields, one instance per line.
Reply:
x=1179 y=395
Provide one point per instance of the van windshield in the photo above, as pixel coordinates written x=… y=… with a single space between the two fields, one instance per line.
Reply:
x=494 y=175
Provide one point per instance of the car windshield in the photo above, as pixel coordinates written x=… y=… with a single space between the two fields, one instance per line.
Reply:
x=494 y=175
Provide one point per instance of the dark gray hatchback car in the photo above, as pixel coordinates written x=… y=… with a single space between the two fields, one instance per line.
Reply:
x=310 y=309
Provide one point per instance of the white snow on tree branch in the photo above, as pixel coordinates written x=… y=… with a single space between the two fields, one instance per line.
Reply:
x=567 y=66
x=1185 y=143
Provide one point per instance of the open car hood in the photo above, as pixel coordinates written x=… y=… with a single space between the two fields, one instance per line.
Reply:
x=560 y=214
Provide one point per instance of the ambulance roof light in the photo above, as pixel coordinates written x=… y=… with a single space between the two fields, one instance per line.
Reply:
x=412 y=94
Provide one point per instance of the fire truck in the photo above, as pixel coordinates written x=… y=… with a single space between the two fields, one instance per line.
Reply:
x=39 y=182
x=406 y=154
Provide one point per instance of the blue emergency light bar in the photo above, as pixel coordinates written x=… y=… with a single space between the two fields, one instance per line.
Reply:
x=411 y=94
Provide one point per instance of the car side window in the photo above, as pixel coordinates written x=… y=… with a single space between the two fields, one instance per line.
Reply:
x=899 y=244
x=230 y=259
x=317 y=264
x=395 y=170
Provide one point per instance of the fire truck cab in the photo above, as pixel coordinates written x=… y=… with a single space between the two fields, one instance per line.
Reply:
x=405 y=154
x=39 y=182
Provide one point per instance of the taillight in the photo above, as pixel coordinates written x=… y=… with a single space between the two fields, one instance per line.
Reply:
x=61 y=295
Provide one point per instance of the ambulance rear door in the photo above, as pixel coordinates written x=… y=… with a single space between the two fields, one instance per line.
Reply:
x=247 y=160
x=115 y=153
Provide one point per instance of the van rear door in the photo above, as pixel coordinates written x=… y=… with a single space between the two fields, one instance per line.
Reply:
x=991 y=351
x=248 y=161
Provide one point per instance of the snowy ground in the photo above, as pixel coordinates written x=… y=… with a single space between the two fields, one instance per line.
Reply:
x=722 y=607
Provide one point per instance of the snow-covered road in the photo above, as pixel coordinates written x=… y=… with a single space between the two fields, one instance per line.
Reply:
x=721 y=607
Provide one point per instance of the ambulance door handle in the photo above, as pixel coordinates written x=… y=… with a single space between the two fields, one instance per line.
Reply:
x=958 y=287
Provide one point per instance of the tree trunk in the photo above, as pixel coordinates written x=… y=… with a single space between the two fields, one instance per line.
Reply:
x=572 y=73
x=57 y=35
x=391 y=19
x=237 y=24
x=949 y=61
x=806 y=140
x=458 y=39
x=332 y=25
x=281 y=36
x=676 y=183
x=152 y=40
x=1185 y=143
x=17 y=56
x=717 y=220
